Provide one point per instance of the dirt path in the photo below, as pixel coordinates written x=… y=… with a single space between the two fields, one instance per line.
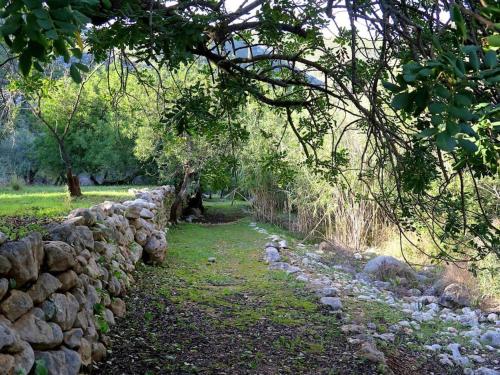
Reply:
x=232 y=316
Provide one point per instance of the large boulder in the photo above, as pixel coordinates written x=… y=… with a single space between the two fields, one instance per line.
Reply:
x=60 y=362
x=455 y=295
x=44 y=287
x=17 y=304
x=41 y=335
x=25 y=257
x=59 y=256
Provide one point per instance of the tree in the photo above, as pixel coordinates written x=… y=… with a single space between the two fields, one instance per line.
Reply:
x=424 y=143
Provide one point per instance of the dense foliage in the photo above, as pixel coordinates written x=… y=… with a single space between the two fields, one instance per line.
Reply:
x=418 y=78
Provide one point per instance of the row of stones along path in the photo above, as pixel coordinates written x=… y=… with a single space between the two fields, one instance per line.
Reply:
x=161 y=335
x=473 y=348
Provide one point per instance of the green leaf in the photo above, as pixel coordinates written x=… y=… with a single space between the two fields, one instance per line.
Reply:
x=436 y=107
x=401 y=101
x=33 y=4
x=75 y=74
x=391 y=86
x=25 y=62
x=445 y=142
x=442 y=91
x=82 y=67
x=494 y=40
x=463 y=100
x=468 y=146
x=456 y=16
x=40 y=367
x=426 y=133
x=490 y=59
x=460 y=112
x=474 y=60
x=410 y=77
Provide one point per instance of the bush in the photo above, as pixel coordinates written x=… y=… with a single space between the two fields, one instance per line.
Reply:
x=16 y=183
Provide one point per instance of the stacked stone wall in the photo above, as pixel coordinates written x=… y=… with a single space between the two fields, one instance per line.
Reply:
x=59 y=296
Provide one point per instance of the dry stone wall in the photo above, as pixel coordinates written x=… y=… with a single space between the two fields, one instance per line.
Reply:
x=59 y=297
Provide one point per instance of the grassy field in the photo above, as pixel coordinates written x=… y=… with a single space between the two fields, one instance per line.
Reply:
x=53 y=201
x=30 y=208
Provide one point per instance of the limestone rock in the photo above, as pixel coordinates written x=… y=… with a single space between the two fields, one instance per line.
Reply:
x=39 y=333
x=68 y=280
x=146 y=214
x=272 y=255
x=118 y=307
x=3 y=238
x=98 y=351
x=24 y=359
x=4 y=287
x=17 y=304
x=334 y=303
x=85 y=352
x=5 y=265
x=66 y=309
x=327 y=292
x=370 y=352
x=491 y=338
x=8 y=336
x=89 y=218
x=455 y=295
x=60 y=362
x=25 y=257
x=73 y=338
x=377 y=265
x=44 y=287
x=7 y=364
x=156 y=247
x=78 y=236
x=59 y=256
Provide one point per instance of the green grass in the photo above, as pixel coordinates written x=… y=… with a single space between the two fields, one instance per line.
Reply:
x=238 y=290
x=29 y=209
x=53 y=201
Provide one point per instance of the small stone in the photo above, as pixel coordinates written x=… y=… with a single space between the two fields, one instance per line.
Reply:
x=68 y=280
x=5 y=265
x=486 y=371
x=352 y=328
x=3 y=238
x=272 y=255
x=118 y=307
x=211 y=260
x=88 y=217
x=433 y=347
x=7 y=336
x=17 y=304
x=370 y=352
x=73 y=338
x=327 y=292
x=491 y=338
x=98 y=351
x=85 y=352
x=7 y=364
x=334 y=303
x=4 y=287
x=492 y=317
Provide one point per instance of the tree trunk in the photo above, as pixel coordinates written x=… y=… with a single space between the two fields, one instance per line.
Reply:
x=176 y=207
x=72 y=181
